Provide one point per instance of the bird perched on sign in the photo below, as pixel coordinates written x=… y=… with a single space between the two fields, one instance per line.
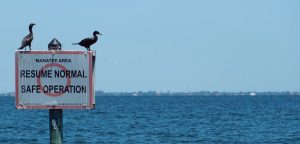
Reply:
x=27 y=39
x=89 y=41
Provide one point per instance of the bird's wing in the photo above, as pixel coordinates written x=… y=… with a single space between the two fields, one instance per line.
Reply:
x=87 y=40
x=27 y=39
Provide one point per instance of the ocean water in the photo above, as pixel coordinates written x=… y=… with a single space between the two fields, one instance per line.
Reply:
x=197 y=119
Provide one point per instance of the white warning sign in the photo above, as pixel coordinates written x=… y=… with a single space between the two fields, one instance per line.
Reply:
x=54 y=79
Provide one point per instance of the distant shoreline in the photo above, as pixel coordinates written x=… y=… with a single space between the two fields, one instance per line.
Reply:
x=201 y=93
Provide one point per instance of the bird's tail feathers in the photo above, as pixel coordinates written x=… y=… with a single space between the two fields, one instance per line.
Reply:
x=75 y=43
x=20 y=48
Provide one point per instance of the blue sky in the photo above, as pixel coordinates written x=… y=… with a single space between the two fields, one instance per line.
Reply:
x=170 y=45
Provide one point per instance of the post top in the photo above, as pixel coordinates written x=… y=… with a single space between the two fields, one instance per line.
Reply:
x=54 y=45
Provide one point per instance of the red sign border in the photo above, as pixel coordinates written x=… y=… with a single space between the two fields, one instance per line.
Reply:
x=91 y=93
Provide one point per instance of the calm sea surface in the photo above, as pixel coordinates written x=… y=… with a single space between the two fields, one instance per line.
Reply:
x=201 y=119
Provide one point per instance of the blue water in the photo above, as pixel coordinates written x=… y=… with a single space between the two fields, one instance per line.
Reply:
x=202 y=119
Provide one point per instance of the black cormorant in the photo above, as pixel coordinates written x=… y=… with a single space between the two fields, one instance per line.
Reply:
x=27 y=39
x=89 y=41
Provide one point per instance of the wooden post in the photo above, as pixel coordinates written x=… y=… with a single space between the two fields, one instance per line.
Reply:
x=55 y=115
x=56 y=126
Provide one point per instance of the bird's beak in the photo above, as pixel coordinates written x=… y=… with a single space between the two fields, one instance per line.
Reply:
x=100 y=34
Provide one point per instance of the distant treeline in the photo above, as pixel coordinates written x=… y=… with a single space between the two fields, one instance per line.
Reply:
x=201 y=93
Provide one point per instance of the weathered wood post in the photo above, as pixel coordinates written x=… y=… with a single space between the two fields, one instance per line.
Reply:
x=55 y=115
x=56 y=126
